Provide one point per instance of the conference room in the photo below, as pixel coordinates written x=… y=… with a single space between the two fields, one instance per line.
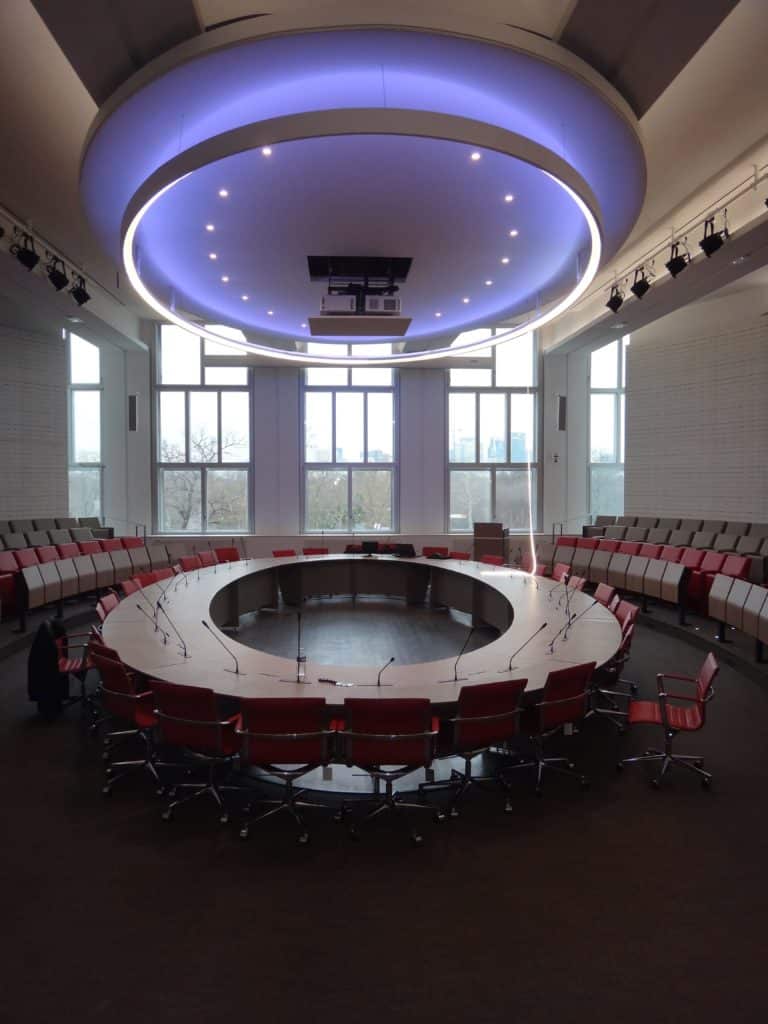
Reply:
x=384 y=507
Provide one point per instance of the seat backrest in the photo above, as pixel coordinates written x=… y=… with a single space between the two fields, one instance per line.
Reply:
x=749 y=545
x=48 y=553
x=460 y=555
x=669 y=553
x=736 y=565
x=190 y=562
x=428 y=550
x=25 y=557
x=106 y=604
x=8 y=563
x=22 y=525
x=559 y=571
x=565 y=696
x=690 y=524
x=37 y=538
x=110 y=544
x=90 y=547
x=725 y=542
x=629 y=547
x=92 y=522
x=758 y=529
x=649 y=522
x=70 y=550
x=668 y=524
x=228 y=554
x=626 y=613
x=45 y=524
x=637 y=533
x=314 y=551
x=713 y=525
x=207 y=558
x=14 y=541
x=706 y=677
x=284 y=553
x=608 y=544
x=605 y=520
x=738 y=529
x=188 y=717
x=492 y=559
x=691 y=558
x=60 y=536
x=118 y=690
x=566 y=541
x=712 y=562
x=650 y=550
x=164 y=573
x=131 y=542
x=681 y=538
x=604 y=594
x=146 y=579
x=129 y=587
x=284 y=730
x=395 y=732
x=626 y=520
x=487 y=714
x=65 y=522
x=659 y=536
x=587 y=542
x=81 y=533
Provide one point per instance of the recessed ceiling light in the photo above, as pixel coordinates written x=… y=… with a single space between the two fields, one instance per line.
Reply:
x=209 y=227
x=270 y=312
x=514 y=233
x=465 y=300
x=244 y=298
x=303 y=325
x=509 y=198
x=438 y=314
x=505 y=259
x=488 y=284
x=475 y=156
x=212 y=256
x=225 y=278
x=223 y=192
x=266 y=151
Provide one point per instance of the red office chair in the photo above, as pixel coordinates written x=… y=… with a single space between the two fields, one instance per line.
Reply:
x=487 y=717
x=492 y=559
x=284 y=553
x=314 y=551
x=146 y=579
x=122 y=699
x=106 y=604
x=388 y=739
x=129 y=587
x=207 y=558
x=187 y=717
x=606 y=680
x=604 y=594
x=674 y=719
x=560 y=570
x=576 y=582
x=164 y=574
x=228 y=554
x=430 y=551
x=286 y=738
x=565 y=701
x=189 y=563
x=463 y=556
x=626 y=613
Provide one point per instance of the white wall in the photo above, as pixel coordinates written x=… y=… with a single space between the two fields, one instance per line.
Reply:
x=33 y=425
x=697 y=411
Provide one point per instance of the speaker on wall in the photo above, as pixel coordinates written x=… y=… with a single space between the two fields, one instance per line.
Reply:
x=561 y=411
x=133 y=413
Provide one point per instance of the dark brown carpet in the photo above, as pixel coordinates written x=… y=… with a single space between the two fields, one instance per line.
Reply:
x=617 y=904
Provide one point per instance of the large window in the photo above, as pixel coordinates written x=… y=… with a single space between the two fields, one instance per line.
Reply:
x=85 y=468
x=349 y=445
x=492 y=439
x=203 y=438
x=607 y=382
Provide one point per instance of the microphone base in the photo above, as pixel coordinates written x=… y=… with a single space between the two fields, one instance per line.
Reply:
x=460 y=679
x=235 y=672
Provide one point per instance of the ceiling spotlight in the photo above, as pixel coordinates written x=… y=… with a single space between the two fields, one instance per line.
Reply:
x=505 y=259
x=212 y=256
x=514 y=233
x=712 y=240
x=488 y=284
x=244 y=298
x=475 y=156
x=616 y=300
x=465 y=300
x=266 y=151
x=56 y=272
x=303 y=325
x=270 y=312
x=677 y=261
x=78 y=291
x=24 y=250
x=509 y=198
x=225 y=278
x=209 y=227
x=223 y=192
x=641 y=284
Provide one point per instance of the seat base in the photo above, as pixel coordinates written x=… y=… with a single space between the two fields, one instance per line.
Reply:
x=561 y=765
x=387 y=801
x=692 y=762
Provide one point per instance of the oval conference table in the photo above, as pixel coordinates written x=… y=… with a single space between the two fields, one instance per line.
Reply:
x=513 y=602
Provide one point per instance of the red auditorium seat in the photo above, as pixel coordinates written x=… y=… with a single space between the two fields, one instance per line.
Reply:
x=670 y=553
x=701 y=579
x=428 y=551
x=460 y=555
x=129 y=542
x=189 y=563
x=71 y=550
x=691 y=558
x=207 y=558
x=586 y=542
x=112 y=544
x=25 y=557
x=284 y=553
x=8 y=569
x=145 y=579
x=608 y=544
x=736 y=566
x=90 y=547
x=650 y=550
x=47 y=553
x=629 y=547
x=314 y=551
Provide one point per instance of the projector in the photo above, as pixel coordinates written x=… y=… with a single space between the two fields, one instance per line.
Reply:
x=338 y=305
x=383 y=305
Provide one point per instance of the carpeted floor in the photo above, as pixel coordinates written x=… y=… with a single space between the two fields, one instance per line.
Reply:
x=616 y=904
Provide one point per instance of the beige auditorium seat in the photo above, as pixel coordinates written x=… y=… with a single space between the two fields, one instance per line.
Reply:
x=713 y=525
x=726 y=542
x=14 y=541
x=598 y=567
x=51 y=582
x=34 y=586
x=564 y=553
x=718 y=595
x=140 y=560
x=545 y=551
x=671 y=583
x=37 y=538
x=81 y=533
x=749 y=545
x=758 y=529
x=668 y=524
x=22 y=525
x=581 y=559
x=626 y=520
x=605 y=520
x=653 y=575
x=636 y=533
x=615 y=532
x=690 y=524
x=636 y=570
x=703 y=539
x=158 y=556
x=617 y=570
x=680 y=538
x=70 y=584
x=762 y=624
x=86 y=573
x=5 y=527
x=734 y=605
x=45 y=524
x=122 y=564
x=90 y=522
x=751 y=612
x=60 y=536
x=740 y=529
x=647 y=522
x=66 y=522
x=105 y=570
x=658 y=536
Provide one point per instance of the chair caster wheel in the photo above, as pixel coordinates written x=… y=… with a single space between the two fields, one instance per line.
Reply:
x=619 y=766
x=571 y=765
x=167 y=815
x=454 y=812
x=706 y=783
x=417 y=839
x=655 y=783
x=106 y=791
x=160 y=791
x=538 y=791
x=354 y=834
x=699 y=763
x=584 y=781
x=223 y=819
x=441 y=816
x=244 y=833
x=105 y=756
x=508 y=808
x=303 y=839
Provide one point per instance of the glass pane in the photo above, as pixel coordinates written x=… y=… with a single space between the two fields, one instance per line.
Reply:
x=606 y=490
x=227 y=499
x=470 y=498
x=349 y=428
x=471 y=378
x=522 y=428
x=235 y=426
x=604 y=366
x=85 y=492
x=224 y=374
x=84 y=361
x=326 y=500
x=86 y=424
x=372 y=376
x=179 y=356
x=203 y=427
x=602 y=428
x=461 y=428
x=515 y=363
x=327 y=376
x=622 y=424
x=372 y=500
x=318 y=426
x=493 y=428
x=237 y=375
x=512 y=501
x=173 y=440
x=180 y=500
x=624 y=353
x=468 y=337
x=380 y=427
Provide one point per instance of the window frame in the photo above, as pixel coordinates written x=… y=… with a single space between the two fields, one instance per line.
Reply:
x=619 y=421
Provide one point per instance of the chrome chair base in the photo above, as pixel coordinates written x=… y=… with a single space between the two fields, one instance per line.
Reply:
x=460 y=782
x=692 y=762
x=389 y=800
x=116 y=770
x=210 y=788
x=291 y=803
x=560 y=765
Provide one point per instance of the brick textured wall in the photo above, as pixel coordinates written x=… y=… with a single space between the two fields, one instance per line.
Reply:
x=33 y=425
x=697 y=412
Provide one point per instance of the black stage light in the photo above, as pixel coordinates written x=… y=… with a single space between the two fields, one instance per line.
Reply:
x=641 y=284
x=677 y=262
x=56 y=272
x=712 y=240
x=78 y=291
x=616 y=299
x=25 y=251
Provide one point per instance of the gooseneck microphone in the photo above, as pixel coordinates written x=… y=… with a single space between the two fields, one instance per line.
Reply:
x=182 y=576
x=229 y=652
x=144 y=597
x=383 y=667
x=172 y=624
x=567 y=626
x=157 y=629
x=164 y=590
x=531 y=637
x=470 y=634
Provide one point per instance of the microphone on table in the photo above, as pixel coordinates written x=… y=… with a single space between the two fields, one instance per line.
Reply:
x=144 y=597
x=383 y=667
x=531 y=637
x=182 y=576
x=563 y=583
x=568 y=625
x=470 y=634
x=175 y=630
x=300 y=656
x=229 y=652
x=154 y=624
x=164 y=590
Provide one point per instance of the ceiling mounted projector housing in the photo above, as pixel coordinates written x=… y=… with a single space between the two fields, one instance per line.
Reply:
x=370 y=326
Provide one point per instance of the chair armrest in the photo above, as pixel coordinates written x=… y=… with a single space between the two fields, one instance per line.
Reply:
x=673 y=675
